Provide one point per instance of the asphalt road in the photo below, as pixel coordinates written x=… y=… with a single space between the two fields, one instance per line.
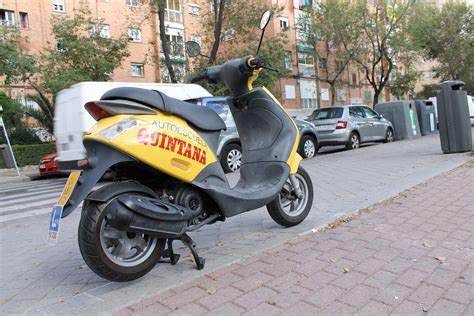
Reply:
x=38 y=278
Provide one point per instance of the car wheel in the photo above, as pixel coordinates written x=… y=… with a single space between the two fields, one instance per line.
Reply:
x=231 y=158
x=354 y=141
x=388 y=136
x=308 y=147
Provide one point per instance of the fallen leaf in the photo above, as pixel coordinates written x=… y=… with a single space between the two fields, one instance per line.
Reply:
x=211 y=290
x=83 y=266
x=396 y=297
x=347 y=270
x=271 y=303
x=333 y=260
x=60 y=300
x=426 y=245
x=425 y=309
x=440 y=259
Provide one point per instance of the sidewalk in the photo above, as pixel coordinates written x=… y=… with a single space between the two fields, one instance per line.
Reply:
x=411 y=255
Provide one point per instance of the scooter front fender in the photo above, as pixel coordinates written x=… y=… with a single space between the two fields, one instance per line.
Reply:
x=101 y=157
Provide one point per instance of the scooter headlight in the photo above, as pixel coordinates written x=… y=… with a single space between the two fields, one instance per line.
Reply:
x=120 y=128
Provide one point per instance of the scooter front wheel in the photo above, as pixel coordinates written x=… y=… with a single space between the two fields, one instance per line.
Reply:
x=113 y=254
x=288 y=210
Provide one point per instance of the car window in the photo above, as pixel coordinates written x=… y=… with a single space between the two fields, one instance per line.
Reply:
x=369 y=113
x=329 y=113
x=220 y=107
x=355 y=111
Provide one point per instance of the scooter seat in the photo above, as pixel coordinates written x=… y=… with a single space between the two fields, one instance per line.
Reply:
x=199 y=116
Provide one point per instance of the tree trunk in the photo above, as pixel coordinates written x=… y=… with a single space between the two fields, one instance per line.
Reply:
x=332 y=84
x=376 y=97
x=218 y=19
x=165 y=42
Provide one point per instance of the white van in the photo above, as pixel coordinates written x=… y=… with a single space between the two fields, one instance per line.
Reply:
x=71 y=120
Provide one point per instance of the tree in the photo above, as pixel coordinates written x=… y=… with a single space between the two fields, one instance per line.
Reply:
x=452 y=44
x=227 y=29
x=375 y=36
x=159 y=6
x=15 y=63
x=322 y=28
x=79 y=54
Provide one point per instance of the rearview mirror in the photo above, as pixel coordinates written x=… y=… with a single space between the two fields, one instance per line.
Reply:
x=265 y=19
x=193 y=49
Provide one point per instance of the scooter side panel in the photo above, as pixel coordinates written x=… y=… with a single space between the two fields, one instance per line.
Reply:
x=164 y=142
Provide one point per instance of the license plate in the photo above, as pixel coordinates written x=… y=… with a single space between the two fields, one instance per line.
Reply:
x=59 y=206
x=324 y=127
x=42 y=166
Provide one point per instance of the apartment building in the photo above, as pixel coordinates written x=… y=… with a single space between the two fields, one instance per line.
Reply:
x=301 y=89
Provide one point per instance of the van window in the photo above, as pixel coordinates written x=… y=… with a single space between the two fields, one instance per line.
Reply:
x=329 y=113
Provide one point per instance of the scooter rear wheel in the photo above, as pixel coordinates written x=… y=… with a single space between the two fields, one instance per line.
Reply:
x=286 y=209
x=112 y=254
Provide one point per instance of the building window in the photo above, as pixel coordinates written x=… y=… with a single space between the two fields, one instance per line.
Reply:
x=105 y=31
x=132 y=3
x=173 y=11
x=305 y=4
x=179 y=70
x=339 y=65
x=24 y=24
x=341 y=95
x=135 y=35
x=8 y=17
x=288 y=61
x=176 y=44
x=197 y=39
x=92 y=29
x=229 y=34
x=136 y=70
x=58 y=6
x=60 y=44
x=284 y=23
x=354 y=78
x=194 y=9
x=323 y=63
x=305 y=59
x=368 y=95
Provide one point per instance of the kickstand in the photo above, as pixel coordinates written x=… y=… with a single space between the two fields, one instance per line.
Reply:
x=192 y=246
x=169 y=253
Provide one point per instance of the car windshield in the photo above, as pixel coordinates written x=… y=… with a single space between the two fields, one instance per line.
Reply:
x=329 y=113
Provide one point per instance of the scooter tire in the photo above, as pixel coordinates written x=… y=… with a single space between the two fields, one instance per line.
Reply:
x=93 y=253
x=277 y=212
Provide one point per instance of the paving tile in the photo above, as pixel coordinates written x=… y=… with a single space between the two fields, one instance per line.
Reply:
x=267 y=308
x=338 y=308
x=325 y=296
x=255 y=297
x=291 y=296
x=442 y=278
x=358 y=296
x=189 y=309
x=302 y=308
x=408 y=308
x=426 y=294
x=221 y=297
x=374 y=308
x=184 y=297
x=446 y=307
x=393 y=294
x=369 y=266
x=349 y=280
x=460 y=292
x=253 y=281
x=227 y=309
x=380 y=279
x=411 y=278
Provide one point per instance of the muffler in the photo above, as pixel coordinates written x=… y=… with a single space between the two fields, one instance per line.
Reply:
x=148 y=215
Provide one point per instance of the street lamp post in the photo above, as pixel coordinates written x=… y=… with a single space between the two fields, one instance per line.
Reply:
x=8 y=140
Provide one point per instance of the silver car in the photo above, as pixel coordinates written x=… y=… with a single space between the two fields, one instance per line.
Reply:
x=350 y=125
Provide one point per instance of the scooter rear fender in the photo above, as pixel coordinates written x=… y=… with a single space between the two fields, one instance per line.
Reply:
x=101 y=157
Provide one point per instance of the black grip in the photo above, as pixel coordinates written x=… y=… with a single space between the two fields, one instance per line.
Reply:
x=199 y=78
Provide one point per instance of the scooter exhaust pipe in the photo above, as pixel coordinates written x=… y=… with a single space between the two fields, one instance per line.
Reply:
x=150 y=216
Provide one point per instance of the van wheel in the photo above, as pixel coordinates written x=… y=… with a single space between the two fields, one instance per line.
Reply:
x=113 y=254
x=231 y=158
x=288 y=210
x=354 y=141
x=308 y=147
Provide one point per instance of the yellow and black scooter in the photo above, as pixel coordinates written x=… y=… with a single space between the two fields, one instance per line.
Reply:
x=163 y=149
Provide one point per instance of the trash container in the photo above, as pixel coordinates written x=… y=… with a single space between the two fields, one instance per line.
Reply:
x=426 y=113
x=453 y=117
x=7 y=156
x=402 y=114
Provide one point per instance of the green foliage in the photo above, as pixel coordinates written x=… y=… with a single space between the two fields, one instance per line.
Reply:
x=15 y=63
x=428 y=91
x=26 y=155
x=79 y=54
x=445 y=34
x=13 y=115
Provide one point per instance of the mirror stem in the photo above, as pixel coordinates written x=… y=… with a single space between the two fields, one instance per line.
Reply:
x=260 y=43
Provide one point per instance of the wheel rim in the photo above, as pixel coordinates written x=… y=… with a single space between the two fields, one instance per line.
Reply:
x=123 y=248
x=234 y=159
x=355 y=141
x=294 y=207
x=309 y=148
x=389 y=136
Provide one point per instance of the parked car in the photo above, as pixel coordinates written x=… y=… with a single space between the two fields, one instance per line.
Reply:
x=229 y=149
x=350 y=125
x=49 y=165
